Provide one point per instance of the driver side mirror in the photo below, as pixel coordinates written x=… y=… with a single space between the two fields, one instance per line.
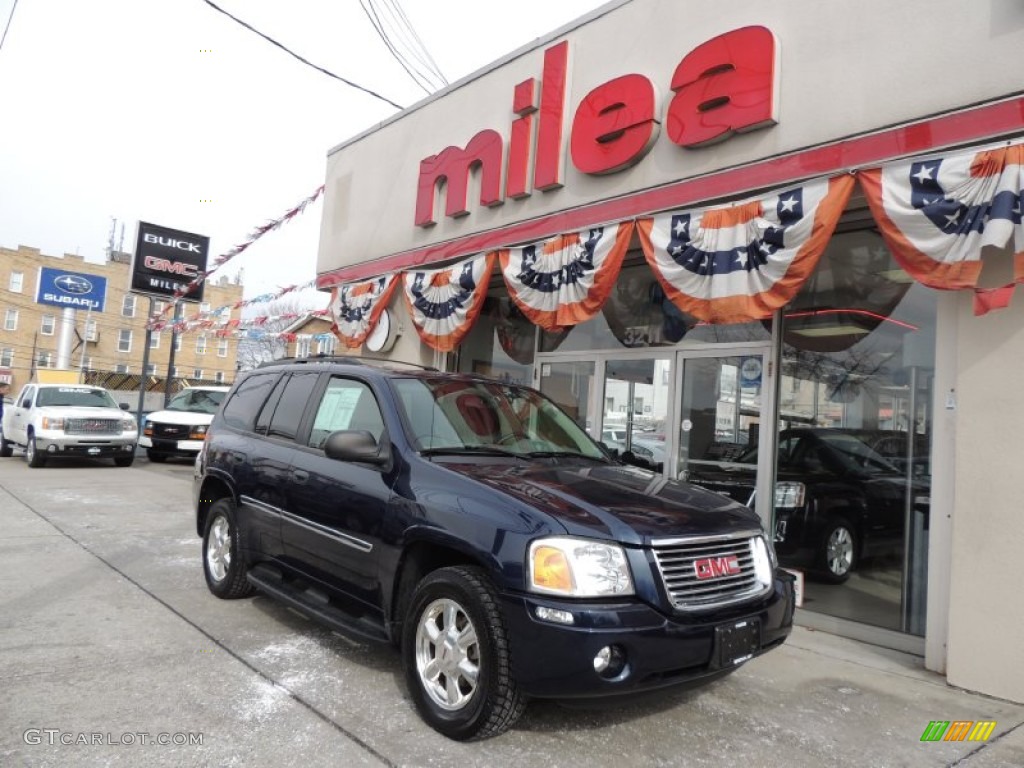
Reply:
x=354 y=445
x=124 y=406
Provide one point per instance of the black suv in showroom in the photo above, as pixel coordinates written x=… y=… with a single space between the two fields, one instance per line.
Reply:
x=840 y=495
x=474 y=525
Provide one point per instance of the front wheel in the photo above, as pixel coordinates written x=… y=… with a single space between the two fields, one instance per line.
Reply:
x=223 y=563
x=455 y=651
x=124 y=461
x=156 y=458
x=6 y=448
x=34 y=458
x=838 y=553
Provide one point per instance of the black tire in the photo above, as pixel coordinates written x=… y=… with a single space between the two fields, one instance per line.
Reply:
x=156 y=458
x=6 y=448
x=492 y=702
x=34 y=458
x=223 y=564
x=124 y=461
x=837 y=552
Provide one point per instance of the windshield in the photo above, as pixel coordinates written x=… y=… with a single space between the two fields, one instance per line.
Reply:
x=196 y=401
x=75 y=396
x=856 y=454
x=451 y=415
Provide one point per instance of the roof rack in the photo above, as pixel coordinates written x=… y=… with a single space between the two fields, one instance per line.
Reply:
x=345 y=359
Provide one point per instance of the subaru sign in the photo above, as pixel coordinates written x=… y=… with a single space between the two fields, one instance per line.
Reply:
x=60 y=288
x=167 y=260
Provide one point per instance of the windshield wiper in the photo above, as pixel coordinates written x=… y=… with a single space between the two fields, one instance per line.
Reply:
x=466 y=450
x=562 y=455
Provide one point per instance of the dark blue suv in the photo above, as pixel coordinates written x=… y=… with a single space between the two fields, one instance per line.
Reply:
x=476 y=526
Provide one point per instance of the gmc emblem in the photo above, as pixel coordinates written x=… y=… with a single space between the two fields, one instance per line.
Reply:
x=715 y=567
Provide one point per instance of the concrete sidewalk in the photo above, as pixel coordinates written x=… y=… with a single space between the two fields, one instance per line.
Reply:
x=106 y=627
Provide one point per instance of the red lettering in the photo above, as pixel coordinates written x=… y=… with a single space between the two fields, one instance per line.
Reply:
x=524 y=104
x=614 y=126
x=547 y=166
x=453 y=165
x=723 y=86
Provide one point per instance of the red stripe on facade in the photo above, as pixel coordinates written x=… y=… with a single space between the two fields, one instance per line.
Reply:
x=989 y=121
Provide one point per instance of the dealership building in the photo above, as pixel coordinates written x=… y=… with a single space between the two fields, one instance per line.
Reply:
x=768 y=240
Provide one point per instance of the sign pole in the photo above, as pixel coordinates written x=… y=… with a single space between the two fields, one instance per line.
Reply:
x=145 y=365
x=170 y=357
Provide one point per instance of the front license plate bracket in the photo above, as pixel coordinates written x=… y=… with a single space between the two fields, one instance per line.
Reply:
x=737 y=642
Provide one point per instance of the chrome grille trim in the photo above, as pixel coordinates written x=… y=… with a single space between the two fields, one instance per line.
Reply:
x=92 y=426
x=675 y=559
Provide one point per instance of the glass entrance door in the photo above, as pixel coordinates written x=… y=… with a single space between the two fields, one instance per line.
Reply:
x=722 y=426
x=636 y=408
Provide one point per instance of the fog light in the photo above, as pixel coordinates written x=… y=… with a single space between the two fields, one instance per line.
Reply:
x=553 y=614
x=51 y=449
x=610 y=661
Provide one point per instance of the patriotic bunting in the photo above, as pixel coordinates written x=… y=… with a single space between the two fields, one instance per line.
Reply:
x=936 y=214
x=356 y=307
x=742 y=262
x=564 y=281
x=444 y=303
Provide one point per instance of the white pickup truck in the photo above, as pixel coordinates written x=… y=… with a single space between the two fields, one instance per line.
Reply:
x=63 y=420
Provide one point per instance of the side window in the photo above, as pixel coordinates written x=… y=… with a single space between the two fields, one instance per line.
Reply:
x=26 y=397
x=346 y=404
x=267 y=412
x=288 y=413
x=240 y=411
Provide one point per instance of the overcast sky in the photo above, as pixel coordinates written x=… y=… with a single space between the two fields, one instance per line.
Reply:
x=145 y=109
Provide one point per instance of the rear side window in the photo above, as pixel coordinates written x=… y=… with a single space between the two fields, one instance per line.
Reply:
x=288 y=414
x=240 y=411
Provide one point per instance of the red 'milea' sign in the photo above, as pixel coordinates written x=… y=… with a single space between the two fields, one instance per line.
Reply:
x=723 y=86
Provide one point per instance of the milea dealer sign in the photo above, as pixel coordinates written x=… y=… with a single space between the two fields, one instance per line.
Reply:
x=167 y=260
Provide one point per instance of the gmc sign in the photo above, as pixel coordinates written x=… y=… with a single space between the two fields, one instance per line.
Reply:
x=167 y=260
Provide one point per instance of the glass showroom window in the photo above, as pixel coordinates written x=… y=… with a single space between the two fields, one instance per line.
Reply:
x=128 y=306
x=11 y=320
x=16 y=282
x=855 y=415
x=124 y=340
x=47 y=325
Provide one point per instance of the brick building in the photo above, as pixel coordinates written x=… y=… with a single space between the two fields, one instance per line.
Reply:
x=113 y=340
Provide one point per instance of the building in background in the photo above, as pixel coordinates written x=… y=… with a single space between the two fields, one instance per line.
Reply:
x=109 y=341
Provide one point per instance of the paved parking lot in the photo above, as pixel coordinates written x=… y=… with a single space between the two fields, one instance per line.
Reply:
x=109 y=638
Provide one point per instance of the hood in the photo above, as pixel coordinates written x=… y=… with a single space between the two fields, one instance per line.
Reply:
x=81 y=412
x=625 y=504
x=191 y=418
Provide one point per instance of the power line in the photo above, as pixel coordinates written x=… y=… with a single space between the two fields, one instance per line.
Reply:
x=417 y=75
x=8 y=24
x=417 y=48
x=308 y=63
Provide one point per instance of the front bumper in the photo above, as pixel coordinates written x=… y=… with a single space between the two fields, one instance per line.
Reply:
x=171 y=447
x=59 y=444
x=553 y=660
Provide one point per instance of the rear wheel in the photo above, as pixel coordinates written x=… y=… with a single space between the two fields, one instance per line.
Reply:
x=838 y=554
x=455 y=650
x=32 y=456
x=223 y=563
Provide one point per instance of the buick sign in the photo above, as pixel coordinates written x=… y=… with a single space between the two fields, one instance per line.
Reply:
x=71 y=289
x=167 y=261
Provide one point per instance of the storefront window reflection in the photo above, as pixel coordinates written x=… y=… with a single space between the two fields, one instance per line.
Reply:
x=501 y=343
x=852 y=488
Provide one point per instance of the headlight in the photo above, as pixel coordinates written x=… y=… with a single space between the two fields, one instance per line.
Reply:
x=578 y=568
x=764 y=559
x=147 y=428
x=197 y=432
x=128 y=424
x=789 y=495
x=53 y=422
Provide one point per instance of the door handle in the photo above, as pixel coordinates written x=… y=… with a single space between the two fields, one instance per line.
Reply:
x=300 y=476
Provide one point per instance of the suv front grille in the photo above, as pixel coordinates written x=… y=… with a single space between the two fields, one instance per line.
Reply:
x=92 y=426
x=711 y=571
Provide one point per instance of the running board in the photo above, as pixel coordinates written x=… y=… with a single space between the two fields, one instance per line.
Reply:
x=313 y=603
